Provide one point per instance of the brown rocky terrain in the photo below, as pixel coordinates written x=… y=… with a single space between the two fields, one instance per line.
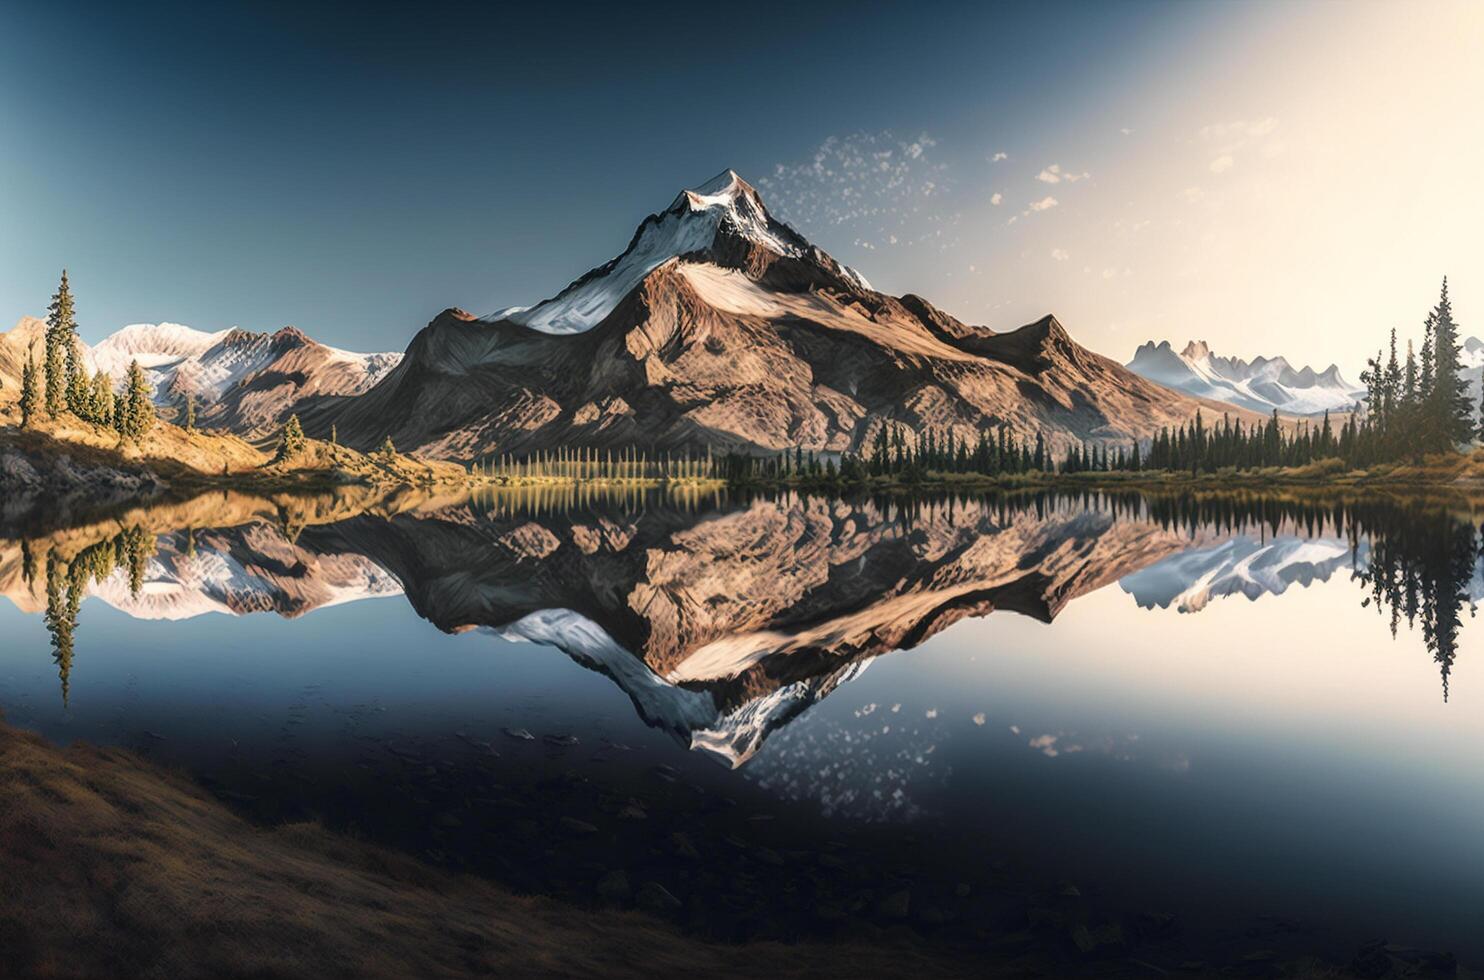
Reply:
x=738 y=335
x=296 y=371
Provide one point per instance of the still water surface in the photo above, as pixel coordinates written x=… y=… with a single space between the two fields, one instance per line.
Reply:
x=1220 y=711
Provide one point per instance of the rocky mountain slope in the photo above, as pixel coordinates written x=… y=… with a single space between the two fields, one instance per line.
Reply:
x=1259 y=385
x=720 y=326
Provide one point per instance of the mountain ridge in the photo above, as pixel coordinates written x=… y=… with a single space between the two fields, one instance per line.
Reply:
x=1259 y=385
x=738 y=334
x=244 y=381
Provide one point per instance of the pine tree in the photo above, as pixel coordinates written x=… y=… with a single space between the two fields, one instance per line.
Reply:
x=292 y=442
x=388 y=449
x=334 y=435
x=61 y=334
x=1450 y=408
x=102 y=402
x=137 y=414
x=78 y=386
x=30 y=396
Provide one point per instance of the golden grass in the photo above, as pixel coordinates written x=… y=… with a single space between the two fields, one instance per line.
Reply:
x=212 y=458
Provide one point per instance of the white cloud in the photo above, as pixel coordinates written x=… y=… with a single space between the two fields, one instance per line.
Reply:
x=1109 y=273
x=1044 y=204
x=1060 y=254
x=1223 y=163
x=1192 y=195
x=1002 y=155
x=1126 y=131
x=996 y=199
x=1054 y=174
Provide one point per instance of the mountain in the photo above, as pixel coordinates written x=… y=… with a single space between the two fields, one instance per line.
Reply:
x=720 y=326
x=1239 y=566
x=13 y=346
x=246 y=382
x=243 y=381
x=1259 y=385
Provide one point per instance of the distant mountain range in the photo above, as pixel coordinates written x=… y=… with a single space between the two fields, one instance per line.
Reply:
x=246 y=382
x=1259 y=385
x=717 y=327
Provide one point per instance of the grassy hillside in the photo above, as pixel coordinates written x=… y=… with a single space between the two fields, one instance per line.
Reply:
x=176 y=456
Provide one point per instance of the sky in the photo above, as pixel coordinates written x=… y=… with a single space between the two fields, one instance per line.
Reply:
x=1272 y=178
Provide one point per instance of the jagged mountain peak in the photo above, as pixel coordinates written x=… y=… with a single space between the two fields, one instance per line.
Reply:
x=1195 y=350
x=726 y=189
x=1262 y=384
x=289 y=337
x=708 y=221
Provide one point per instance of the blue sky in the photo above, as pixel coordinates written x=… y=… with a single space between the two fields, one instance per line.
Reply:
x=353 y=172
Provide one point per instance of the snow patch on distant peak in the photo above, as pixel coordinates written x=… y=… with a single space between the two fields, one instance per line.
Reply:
x=689 y=224
x=177 y=358
x=1263 y=384
x=153 y=345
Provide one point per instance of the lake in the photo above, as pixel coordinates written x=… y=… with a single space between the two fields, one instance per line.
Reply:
x=1208 y=730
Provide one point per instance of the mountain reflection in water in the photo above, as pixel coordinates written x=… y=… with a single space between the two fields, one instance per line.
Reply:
x=723 y=618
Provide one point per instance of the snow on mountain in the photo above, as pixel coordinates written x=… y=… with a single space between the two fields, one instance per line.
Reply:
x=226 y=578
x=1472 y=354
x=690 y=224
x=153 y=345
x=660 y=703
x=1237 y=566
x=692 y=716
x=1471 y=367
x=1261 y=385
x=178 y=359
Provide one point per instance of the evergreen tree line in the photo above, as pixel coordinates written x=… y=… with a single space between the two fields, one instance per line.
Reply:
x=582 y=463
x=1413 y=406
x=61 y=382
x=897 y=451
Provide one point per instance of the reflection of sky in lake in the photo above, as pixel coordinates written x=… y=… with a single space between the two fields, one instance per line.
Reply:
x=1283 y=754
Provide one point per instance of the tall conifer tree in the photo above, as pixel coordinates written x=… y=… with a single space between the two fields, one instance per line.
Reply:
x=30 y=394
x=1451 y=410
x=61 y=333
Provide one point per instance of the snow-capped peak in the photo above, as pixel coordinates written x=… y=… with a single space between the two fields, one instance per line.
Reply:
x=724 y=190
x=1262 y=384
x=153 y=345
x=689 y=225
x=178 y=359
